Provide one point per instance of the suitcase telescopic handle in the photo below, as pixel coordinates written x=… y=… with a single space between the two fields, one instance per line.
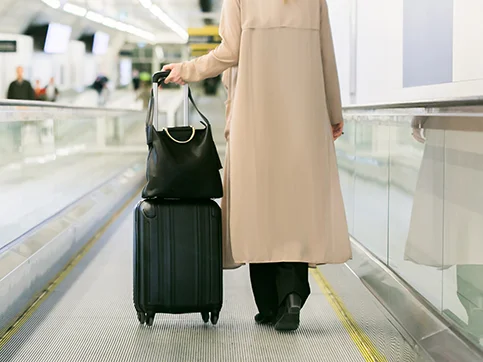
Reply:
x=157 y=78
x=160 y=76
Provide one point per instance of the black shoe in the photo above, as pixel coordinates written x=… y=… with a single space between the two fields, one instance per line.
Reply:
x=264 y=319
x=290 y=316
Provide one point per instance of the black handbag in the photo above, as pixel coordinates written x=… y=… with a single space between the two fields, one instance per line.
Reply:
x=183 y=162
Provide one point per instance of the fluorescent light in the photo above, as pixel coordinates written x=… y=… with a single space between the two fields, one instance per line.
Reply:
x=146 y=3
x=101 y=19
x=75 y=10
x=110 y=23
x=131 y=29
x=169 y=22
x=95 y=17
x=52 y=3
x=121 y=26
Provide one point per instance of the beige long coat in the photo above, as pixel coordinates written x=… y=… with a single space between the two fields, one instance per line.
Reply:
x=283 y=198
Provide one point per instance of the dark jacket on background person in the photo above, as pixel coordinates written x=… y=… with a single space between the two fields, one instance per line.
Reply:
x=100 y=83
x=21 y=90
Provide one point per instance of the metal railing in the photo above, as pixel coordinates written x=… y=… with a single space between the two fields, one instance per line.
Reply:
x=411 y=175
x=51 y=155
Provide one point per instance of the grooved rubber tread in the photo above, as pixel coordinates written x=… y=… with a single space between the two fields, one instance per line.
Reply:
x=366 y=311
x=90 y=317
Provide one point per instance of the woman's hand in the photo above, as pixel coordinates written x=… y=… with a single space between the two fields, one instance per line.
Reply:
x=175 y=75
x=419 y=135
x=337 y=130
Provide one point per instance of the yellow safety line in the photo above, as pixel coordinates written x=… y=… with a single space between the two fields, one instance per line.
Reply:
x=62 y=275
x=361 y=340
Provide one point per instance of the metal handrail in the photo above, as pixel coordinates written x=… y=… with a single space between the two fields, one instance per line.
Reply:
x=435 y=103
x=43 y=104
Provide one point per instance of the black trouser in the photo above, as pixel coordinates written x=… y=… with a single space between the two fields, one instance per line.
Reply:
x=272 y=282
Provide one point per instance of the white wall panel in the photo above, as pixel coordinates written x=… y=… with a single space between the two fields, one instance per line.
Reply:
x=340 y=11
x=77 y=59
x=379 y=50
x=45 y=66
x=468 y=40
x=91 y=69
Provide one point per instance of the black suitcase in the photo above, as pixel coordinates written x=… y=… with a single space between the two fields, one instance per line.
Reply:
x=177 y=259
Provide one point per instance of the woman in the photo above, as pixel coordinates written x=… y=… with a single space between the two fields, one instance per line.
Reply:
x=283 y=202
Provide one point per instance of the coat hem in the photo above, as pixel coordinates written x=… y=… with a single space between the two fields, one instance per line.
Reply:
x=312 y=264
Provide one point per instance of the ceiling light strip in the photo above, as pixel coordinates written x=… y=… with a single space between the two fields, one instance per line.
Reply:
x=75 y=10
x=95 y=17
x=146 y=3
x=165 y=18
x=101 y=19
x=55 y=4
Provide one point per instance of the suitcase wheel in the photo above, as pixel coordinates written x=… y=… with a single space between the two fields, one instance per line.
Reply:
x=205 y=316
x=215 y=315
x=141 y=317
x=150 y=319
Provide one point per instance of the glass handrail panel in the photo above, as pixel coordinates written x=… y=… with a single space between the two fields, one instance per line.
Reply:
x=364 y=163
x=462 y=164
x=50 y=158
x=51 y=155
x=422 y=170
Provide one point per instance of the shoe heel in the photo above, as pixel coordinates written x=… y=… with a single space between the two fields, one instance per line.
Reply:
x=294 y=304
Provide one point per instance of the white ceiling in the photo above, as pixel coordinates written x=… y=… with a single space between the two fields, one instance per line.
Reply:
x=14 y=18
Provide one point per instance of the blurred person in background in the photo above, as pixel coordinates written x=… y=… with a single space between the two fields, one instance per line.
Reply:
x=283 y=208
x=145 y=88
x=144 y=93
x=136 y=82
x=100 y=86
x=51 y=91
x=20 y=88
x=39 y=91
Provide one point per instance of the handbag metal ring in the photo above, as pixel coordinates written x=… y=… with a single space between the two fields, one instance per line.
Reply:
x=177 y=141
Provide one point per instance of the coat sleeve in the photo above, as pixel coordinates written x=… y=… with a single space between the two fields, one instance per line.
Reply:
x=331 y=77
x=225 y=55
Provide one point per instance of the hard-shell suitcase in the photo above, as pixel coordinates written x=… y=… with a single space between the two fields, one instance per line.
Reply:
x=177 y=259
x=177 y=252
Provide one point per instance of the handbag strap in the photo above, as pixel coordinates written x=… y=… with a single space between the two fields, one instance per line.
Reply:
x=205 y=121
x=149 y=121
x=150 y=115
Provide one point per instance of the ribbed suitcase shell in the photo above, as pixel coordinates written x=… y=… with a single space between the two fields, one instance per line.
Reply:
x=177 y=257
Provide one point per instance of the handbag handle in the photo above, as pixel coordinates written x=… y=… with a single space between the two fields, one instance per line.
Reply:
x=182 y=142
x=159 y=77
